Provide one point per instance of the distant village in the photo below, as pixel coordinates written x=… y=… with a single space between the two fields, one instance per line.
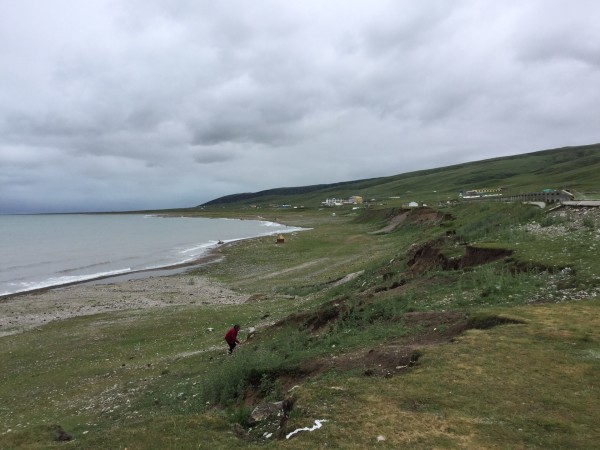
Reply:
x=541 y=198
x=496 y=194
x=358 y=200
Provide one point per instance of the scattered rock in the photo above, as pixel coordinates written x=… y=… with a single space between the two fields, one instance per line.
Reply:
x=286 y=407
x=61 y=435
x=256 y=298
x=250 y=335
x=239 y=431
x=263 y=411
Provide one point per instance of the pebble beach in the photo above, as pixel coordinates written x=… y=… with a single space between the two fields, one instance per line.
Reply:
x=26 y=311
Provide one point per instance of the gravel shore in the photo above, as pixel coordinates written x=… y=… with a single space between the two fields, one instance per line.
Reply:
x=23 y=312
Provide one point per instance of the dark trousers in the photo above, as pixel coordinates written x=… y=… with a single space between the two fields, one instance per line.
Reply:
x=231 y=346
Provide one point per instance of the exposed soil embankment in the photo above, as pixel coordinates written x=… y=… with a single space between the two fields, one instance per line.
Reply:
x=429 y=257
x=392 y=357
x=387 y=359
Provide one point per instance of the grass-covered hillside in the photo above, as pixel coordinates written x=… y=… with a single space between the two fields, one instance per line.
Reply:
x=475 y=325
x=574 y=168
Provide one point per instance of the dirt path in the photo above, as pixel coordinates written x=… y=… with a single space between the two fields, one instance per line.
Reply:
x=395 y=222
x=292 y=269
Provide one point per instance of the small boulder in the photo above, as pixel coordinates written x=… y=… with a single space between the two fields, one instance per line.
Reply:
x=263 y=411
x=61 y=435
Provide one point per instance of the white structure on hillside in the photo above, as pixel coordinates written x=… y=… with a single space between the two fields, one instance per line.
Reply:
x=354 y=200
x=333 y=202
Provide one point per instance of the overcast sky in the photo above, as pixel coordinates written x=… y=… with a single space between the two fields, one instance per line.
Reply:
x=149 y=104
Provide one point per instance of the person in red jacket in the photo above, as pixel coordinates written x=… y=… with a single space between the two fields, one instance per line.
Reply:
x=231 y=337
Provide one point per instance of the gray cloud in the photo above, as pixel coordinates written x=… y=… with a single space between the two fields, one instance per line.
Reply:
x=211 y=156
x=155 y=104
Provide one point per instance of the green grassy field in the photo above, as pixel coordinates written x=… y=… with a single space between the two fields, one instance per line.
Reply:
x=415 y=350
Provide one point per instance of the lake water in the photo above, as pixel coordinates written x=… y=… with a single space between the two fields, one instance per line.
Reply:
x=39 y=251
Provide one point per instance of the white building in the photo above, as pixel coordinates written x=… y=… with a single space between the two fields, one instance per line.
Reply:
x=333 y=202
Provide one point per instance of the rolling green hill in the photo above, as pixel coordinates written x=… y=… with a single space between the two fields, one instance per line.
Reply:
x=574 y=168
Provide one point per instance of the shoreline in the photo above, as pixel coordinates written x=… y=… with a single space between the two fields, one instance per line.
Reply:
x=25 y=311
x=159 y=287
x=208 y=258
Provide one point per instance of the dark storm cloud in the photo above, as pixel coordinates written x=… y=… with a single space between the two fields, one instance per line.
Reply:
x=142 y=104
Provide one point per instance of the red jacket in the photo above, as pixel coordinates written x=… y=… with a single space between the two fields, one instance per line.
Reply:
x=231 y=336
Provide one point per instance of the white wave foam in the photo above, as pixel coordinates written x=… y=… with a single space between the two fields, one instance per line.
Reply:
x=201 y=247
x=265 y=223
x=59 y=281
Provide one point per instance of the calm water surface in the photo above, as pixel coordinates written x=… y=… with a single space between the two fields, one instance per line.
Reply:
x=48 y=250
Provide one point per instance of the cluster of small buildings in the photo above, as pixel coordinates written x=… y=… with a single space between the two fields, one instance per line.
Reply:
x=354 y=200
x=481 y=193
x=546 y=195
x=558 y=196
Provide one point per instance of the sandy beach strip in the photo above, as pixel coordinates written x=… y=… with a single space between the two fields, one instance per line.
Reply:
x=25 y=311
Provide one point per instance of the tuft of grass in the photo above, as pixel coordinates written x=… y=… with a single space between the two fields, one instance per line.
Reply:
x=229 y=381
x=239 y=415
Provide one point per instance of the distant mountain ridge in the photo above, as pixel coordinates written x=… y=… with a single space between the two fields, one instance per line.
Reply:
x=576 y=168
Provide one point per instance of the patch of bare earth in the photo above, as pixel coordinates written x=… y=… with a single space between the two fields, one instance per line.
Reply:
x=429 y=257
x=418 y=216
x=394 y=223
x=389 y=358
